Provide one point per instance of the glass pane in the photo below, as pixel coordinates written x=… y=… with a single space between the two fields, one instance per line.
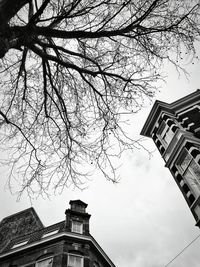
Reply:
x=78 y=261
x=195 y=168
x=192 y=182
x=197 y=211
x=74 y=261
x=77 y=227
x=168 y=136
x=184 y=161
x=71 y=260
x=162 y=129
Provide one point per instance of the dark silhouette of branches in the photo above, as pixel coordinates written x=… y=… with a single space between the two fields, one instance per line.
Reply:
x=69 y=71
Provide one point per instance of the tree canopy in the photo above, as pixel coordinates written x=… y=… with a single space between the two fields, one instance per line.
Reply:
x=69 y=71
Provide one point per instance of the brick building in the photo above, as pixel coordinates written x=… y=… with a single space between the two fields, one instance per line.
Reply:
x=175 y=130
x=25 y=242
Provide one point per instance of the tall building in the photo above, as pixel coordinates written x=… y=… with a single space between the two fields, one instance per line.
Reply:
x=24 y=241
x=175 y=130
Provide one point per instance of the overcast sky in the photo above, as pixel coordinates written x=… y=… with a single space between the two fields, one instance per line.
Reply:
x=144 y=220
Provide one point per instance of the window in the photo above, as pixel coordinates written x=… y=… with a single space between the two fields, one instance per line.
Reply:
x=75 y=261
x=50 y=233
x=77 y=227
x=197 y=211
x=45 y=262
x=168 y=135
x=190 y=170
x=19 y=244
x=184 y=161
x=165 y=133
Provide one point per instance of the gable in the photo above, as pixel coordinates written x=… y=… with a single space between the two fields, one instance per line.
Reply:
x=20 y=223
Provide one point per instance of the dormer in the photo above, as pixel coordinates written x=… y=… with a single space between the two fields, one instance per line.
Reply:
x=77 y=219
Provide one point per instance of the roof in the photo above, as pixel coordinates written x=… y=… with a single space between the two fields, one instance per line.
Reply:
x=34 y=236
x=23 y=222
x=30 y=211
x=39 y=238
x=39 y=235
x=78 y=202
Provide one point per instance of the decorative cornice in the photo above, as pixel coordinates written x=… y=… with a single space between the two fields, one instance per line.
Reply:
x=173 y=108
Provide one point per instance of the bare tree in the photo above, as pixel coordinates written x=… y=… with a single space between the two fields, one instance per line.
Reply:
x=69 y=71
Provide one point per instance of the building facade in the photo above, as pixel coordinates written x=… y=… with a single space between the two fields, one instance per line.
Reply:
x=25 y=242
x=175 y=130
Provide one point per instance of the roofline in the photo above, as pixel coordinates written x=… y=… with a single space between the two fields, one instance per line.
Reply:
x=174 y=107
x=78 y=200
x=56 y=236
x=55 y=225
x=21 y=212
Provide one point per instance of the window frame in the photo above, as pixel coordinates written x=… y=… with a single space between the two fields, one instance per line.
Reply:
x=187 y=170
x=77 y=256
x=74 y=229
x=180 y=160
x=165 y=133
x=189 y=164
